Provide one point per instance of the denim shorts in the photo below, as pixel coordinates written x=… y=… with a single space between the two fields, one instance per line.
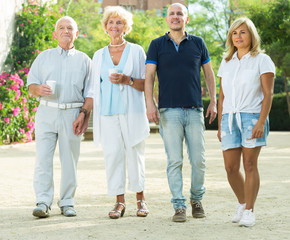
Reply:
x=241 y=137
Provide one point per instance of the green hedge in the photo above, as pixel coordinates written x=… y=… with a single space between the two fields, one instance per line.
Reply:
x=214 y=124
x=279 y=118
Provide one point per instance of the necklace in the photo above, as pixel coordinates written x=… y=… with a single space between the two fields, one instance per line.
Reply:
x=118 y=44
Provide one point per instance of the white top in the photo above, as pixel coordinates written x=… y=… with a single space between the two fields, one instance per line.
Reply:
x=134 y=100
x=70 y=69
x=241 y=84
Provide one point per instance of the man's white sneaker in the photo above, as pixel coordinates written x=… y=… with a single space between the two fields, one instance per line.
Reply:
x=239 y=212
x=248 y=218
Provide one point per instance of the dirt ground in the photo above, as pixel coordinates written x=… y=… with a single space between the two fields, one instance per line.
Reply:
x=93 y=204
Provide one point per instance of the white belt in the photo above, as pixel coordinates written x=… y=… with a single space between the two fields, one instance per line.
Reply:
x=60 y=105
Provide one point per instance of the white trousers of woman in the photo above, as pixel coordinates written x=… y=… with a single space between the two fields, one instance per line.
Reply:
x=118 y=154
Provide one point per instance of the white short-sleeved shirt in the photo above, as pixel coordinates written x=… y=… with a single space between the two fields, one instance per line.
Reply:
x=241 y=83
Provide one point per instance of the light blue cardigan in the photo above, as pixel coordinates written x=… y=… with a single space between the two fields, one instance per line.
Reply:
x=134 y=100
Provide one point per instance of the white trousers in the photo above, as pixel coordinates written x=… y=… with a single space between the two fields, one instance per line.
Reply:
x=114 y=139
x=54 y=125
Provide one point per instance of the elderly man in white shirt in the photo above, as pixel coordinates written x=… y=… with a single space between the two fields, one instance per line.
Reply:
x=62 y=116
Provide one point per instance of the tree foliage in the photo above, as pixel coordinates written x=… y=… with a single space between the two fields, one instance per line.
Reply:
x=147 y=25
x=273 y=23
x=88 y=15
x=211 y=20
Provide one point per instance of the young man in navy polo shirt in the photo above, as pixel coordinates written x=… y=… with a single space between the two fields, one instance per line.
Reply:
x=178 y=57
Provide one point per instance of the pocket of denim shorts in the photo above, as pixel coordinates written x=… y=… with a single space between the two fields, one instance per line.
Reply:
x=254 y=117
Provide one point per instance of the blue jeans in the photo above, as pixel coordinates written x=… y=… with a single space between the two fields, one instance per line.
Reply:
x=177 y=124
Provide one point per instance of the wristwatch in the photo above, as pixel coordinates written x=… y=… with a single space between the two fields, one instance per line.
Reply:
x=85 y=111
x=131 y=82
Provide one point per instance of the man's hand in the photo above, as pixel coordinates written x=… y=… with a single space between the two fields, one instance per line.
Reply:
x=152 y=114
x=44 y=90
x=212 y=112
x=40 y=90
x=211 y=86
x=80 y=125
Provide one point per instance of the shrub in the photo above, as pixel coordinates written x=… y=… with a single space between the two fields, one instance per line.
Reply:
x=279 y=117
x=17 y=108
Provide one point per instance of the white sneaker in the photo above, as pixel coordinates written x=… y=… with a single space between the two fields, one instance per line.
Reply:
x=239 y=212
x=248 y=218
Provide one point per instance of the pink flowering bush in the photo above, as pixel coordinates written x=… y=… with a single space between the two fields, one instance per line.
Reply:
x=34 y=33
x=17 y=108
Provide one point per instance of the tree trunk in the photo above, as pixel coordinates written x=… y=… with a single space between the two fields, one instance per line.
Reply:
x=287 y=94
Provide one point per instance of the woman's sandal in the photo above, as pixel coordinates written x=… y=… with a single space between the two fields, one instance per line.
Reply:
x=115 y=213
x=141 y=212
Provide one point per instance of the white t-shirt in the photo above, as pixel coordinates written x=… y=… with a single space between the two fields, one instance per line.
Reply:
x=241 y=83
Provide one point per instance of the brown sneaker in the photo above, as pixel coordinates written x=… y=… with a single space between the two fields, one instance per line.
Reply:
x=180 y=215
x=197 y=209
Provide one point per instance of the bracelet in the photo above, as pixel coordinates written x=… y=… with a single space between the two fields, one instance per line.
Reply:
x=85 y=111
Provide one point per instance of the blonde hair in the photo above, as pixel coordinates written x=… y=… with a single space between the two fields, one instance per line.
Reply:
x=255 y=43
x=183 y=8
x=117 y=11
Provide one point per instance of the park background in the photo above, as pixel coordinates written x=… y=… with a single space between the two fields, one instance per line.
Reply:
x=33 y=28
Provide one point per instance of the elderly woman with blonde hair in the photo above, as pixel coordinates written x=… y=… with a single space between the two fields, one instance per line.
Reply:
x=246 y=91
x=120 y=121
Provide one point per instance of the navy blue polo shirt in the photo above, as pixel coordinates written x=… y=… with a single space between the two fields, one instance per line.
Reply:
x=178 y=70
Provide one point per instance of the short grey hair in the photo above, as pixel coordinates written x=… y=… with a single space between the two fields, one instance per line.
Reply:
x=183 y=8
x=75 y=26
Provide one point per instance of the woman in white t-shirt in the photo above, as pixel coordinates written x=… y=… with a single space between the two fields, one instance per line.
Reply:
x=246 y=92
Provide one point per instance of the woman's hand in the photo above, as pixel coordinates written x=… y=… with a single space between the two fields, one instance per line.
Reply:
x=219 y=135
x=258 y=131
x=119 y=78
